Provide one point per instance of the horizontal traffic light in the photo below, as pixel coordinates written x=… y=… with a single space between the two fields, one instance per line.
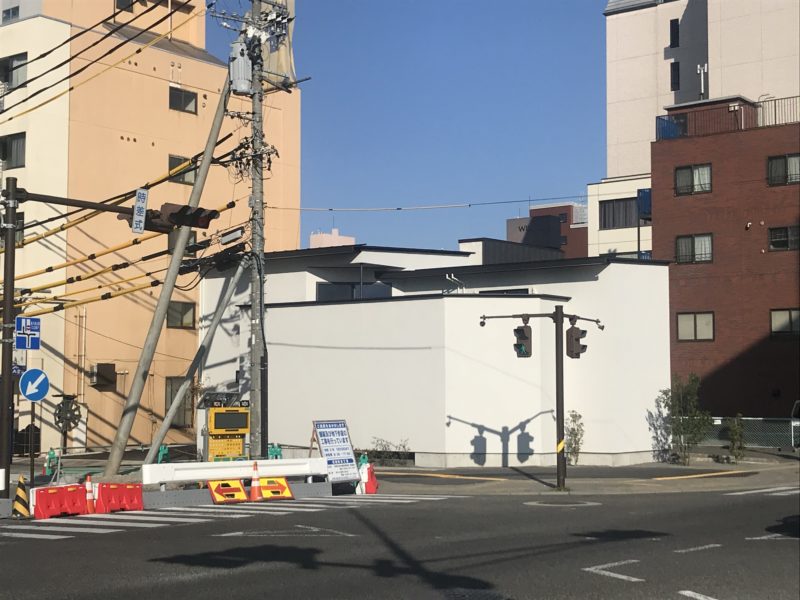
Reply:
x=182 y=215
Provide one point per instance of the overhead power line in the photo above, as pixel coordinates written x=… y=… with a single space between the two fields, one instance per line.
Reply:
x=74 y=56
x=96 y=60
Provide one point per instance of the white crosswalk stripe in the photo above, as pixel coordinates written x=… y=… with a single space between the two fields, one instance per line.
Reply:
x=774 y=491
x=68 y=527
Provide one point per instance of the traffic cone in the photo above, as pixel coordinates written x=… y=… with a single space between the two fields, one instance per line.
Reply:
x=89 y=495
x=21 y=509
x=371 y=486
x=255 y=485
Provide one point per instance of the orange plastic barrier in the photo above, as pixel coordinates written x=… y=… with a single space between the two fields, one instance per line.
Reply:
x=112 y=497
x=59 y=500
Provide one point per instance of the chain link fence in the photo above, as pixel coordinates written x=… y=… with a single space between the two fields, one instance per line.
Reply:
x=758 y=433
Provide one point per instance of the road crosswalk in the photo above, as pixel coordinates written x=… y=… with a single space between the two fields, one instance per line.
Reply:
x=773 y=491
x=60 y=528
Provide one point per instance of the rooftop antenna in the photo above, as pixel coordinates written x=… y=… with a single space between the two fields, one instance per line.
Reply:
x=701 y=71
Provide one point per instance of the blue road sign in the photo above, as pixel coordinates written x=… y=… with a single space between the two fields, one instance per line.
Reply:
x=34 y=384
x=28 y=333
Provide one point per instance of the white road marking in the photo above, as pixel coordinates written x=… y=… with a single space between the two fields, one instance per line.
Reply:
x=137 y=516
x=196 y=511
x=305 y=531
x=87 y=520
x=697 y=548
x=34 y=536
x=371 y=500
x=600 y=570
x=45 y=527
x=771 y=536
x=764 y=491
x=695 y=595
x=789 y=493
x=271 y=509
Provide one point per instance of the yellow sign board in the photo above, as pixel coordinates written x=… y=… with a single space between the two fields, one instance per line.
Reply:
x=275 y=488
x=227 y=492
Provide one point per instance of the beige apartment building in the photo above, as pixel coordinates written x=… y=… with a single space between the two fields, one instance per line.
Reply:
x=113 y=124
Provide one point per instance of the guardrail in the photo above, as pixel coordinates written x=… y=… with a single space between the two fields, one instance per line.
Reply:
x=209 y=471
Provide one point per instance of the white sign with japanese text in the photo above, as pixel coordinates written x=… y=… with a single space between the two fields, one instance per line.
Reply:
x=333 y=438
x=139 y=211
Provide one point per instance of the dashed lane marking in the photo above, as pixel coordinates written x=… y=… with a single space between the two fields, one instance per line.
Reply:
x=137 y=516
x=697 y=548
x=34 y=536
x=771 y=536
x=87 y=520
x=695 y=595
x=788 y=493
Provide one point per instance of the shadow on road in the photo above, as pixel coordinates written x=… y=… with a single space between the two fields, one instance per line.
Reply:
x=788 y=526
x=533 y=477
x=621 y=535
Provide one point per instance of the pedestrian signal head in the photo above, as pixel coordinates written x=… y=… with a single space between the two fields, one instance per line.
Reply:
x=523 y=341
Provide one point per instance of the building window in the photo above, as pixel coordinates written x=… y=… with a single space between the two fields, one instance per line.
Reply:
x=12 y=150
x=693 y=179
x=563 y=240
x=186 y=176
x=11 y=14
x=784 y=238
x=180 y=315
x=693 y=248
x=185 y=416
x=696 y=327
x=13 y=70
x=783 y=170
x=674 y=33
x=331 y=292
x=616 y=214
x=784 y=321
x=675 y=76
x=124 y=5
x=562 y=217
x=182 y=100
x=19 y=233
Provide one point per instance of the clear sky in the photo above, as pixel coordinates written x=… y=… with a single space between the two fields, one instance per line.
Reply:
x=432 y=102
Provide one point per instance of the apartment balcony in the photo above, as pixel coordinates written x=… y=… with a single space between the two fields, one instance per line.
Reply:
x=725 y=115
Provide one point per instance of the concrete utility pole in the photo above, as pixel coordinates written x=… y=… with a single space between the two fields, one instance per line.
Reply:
x=7 y=398
x=148 y=349
x=258 y=412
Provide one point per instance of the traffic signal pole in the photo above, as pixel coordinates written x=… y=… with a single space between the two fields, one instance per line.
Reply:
x=561 y=457
x=7 y=401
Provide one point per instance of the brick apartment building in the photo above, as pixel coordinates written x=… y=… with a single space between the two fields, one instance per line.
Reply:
x=726 y=208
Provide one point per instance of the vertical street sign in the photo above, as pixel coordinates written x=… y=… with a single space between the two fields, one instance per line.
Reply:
x=27 y=333
x=139 y=211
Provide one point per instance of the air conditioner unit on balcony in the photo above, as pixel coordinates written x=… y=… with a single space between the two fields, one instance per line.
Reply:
x=102 y=376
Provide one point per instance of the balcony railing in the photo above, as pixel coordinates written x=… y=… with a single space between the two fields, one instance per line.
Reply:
x=728 y=118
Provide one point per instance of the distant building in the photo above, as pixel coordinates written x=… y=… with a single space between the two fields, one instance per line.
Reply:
x=321 y=239
x=562 y=226
x=726 y=208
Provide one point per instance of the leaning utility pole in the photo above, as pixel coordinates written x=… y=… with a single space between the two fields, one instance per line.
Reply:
x=148 y=349
x=258 y=413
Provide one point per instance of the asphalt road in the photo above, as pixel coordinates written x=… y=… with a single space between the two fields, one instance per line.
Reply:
x=689 y=545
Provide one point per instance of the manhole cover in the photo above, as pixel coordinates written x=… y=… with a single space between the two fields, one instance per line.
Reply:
x=562 y=503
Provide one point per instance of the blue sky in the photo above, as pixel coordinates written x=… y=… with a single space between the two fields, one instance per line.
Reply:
x=431 y=102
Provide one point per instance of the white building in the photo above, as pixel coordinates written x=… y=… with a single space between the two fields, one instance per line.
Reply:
x=410 y=363
x=665 y=52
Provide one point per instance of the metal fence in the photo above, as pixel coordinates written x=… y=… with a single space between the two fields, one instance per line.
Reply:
x=758 y=433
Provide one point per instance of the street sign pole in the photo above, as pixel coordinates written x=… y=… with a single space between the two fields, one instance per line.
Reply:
x=561 y=458
x=6 y=398
x=30 y=442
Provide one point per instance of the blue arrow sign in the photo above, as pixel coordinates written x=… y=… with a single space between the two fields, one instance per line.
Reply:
x=34 y=384
x=27 y=333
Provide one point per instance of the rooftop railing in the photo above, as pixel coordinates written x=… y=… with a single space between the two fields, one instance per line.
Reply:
x=728 y=118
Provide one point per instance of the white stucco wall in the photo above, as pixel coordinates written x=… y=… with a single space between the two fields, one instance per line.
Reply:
x=614 y=240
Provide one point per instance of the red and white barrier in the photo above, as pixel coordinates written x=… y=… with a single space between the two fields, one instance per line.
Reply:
x=113 y=497
x=58 y=500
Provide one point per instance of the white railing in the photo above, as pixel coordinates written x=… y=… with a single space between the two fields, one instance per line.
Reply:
x=212 y=471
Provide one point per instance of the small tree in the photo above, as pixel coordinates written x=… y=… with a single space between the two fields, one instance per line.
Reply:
x=573 y=430
x=678 y=423
x=736 y=434
x=688 y=423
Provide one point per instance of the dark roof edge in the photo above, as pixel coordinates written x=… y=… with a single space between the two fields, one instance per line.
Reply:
x=409 y=297
x=354 y=249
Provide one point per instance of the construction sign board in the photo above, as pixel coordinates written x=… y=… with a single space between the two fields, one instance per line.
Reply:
x=275 y=488
x=333 y=439
x=227 y=491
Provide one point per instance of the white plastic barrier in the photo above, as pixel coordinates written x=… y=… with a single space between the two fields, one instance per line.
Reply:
x=243 y=469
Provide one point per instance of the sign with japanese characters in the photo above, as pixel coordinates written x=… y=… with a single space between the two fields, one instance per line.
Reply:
x=139 y=211
x=335 y=447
